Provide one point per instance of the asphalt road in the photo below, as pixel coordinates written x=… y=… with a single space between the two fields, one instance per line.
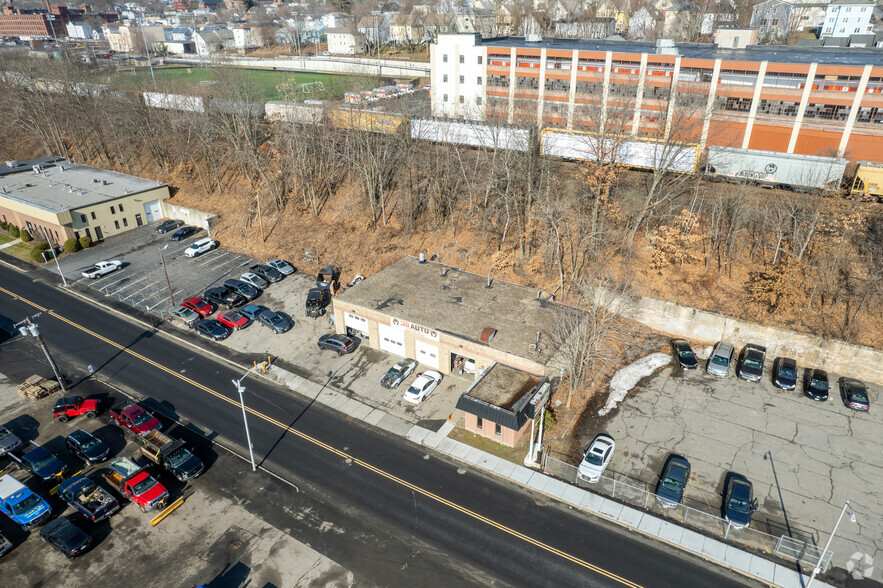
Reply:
x=452 y=526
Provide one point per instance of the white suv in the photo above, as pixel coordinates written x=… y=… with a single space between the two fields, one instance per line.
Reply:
x=199 y=247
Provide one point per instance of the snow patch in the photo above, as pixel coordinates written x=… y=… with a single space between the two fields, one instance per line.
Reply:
x=629 y=376
x=704 y=353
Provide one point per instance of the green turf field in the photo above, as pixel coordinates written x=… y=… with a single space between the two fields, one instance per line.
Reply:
x=267 y=85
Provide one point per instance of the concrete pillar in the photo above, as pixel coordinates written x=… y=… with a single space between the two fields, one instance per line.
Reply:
x=853 y=112
x=511 y=116
x=541 y=87
x=639 y=97
x=571 y=96
x=709 y=107
x=606 y=91
x=672 y=99
x=755 y=102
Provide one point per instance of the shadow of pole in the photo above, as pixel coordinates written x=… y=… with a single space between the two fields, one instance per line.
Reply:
x=769 y=456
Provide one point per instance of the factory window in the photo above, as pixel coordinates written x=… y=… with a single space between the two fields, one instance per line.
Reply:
x=498 y=430
x=478 y=80
x=462 y=99
x=498 y=81
x=462 y=79
x=479 y=60
x=93 y=215
x=121 y=207
x=113 y=210
x=445 y=58
x=116 y=224
x=125 y=222
x=531 y=83
x=558 y=85
x=444 y=77
x=445 y=98
x=478 y=100
x=462 y=59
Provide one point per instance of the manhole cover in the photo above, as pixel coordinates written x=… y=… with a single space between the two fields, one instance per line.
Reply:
x=384 y=546
x=235 y=544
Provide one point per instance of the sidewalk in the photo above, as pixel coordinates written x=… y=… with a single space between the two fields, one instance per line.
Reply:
x=10 y=244
x=718 y=552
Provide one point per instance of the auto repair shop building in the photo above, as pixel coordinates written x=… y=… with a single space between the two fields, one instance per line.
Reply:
x=454 y=321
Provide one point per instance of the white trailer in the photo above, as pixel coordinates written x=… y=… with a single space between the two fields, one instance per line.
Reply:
x=174 y=101
x=674 y=157
x=473 y=133
x=293 y=112
x=769 y=168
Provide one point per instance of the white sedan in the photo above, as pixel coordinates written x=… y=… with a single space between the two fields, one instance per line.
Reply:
x=422 y=386
x=596 y=459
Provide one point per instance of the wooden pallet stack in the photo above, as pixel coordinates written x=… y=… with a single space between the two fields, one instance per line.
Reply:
x=37 y=387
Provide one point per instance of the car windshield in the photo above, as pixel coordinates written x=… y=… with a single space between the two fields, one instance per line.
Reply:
x=720 y=360
x=91 y=445
x=684 y=352
x=593 y=458
x=817 y=384
x=672 y=484
x=393 y=373
x=26 y=504
x=140 y=418
x=143 y=486
x=787 y=373
x=45 y=461
x=858 y=395
x=4 y=434
x=752 y=363
x=234 y=317
x=179 y=457
x=738 y=504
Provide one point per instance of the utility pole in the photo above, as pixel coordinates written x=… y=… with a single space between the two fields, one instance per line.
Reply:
x=162 y=260
x=241 y=389
x=55 y=255
x=28 y=327
x=376 y=14
x=149 y=64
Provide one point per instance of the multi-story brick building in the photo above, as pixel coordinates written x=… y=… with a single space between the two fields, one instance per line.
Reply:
x=34 y=23
x=815 y=101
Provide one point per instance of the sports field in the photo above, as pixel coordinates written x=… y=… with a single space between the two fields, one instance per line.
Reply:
x=265 y=85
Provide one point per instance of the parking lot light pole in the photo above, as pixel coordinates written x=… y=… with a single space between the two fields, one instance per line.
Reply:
x=818 y=567
x=29 y=327
x=55 y=255
x=241 y=389
x=162 y=260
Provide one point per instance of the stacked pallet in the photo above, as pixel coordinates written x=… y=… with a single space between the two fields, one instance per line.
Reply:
x=37 y=387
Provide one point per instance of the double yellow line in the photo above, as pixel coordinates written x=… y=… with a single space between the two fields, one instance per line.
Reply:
x=470 y=513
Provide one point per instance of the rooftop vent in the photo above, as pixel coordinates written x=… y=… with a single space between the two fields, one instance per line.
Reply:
x=422 y=257
x=489 y=281
x=488 y=334
x=125 y=190
x=104 y=182
x=444 y=271
x=95 y=180
x=11 y=163
x=533 y=38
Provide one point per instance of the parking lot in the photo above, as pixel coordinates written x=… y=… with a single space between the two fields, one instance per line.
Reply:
x=805 y=458
x=141 y=283
x=238 y=549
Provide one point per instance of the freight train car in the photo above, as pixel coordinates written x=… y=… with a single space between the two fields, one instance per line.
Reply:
x=473 y=133
x=770 y=168
x=174 y=101
x=868 y=181
x=636 y=153
x=367 y=120
x=255 y=109
x=294 y=112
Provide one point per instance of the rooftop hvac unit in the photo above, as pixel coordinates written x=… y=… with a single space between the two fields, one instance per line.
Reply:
x=533 y=38
x=11 y=163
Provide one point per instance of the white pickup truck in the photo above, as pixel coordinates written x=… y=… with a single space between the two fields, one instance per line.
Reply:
x=102 y=268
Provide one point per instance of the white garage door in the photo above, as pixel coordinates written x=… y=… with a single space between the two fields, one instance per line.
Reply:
x=426 y=354
x=151 y=210
x=391 y=339
x=356 y=323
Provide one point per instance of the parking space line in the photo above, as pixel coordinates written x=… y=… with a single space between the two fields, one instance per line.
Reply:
x=230 y=268
x=716 y=521
x=215 y=258
x=114 y=275
x=129 y=285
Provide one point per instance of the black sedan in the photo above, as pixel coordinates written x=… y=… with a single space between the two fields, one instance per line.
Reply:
x=671 y=484
x=815 y=385
x=684 y=355
x=275 y=321
x=183 y=233
x=212 y=329
x=785 y=373
x=87 y=447
x=66 y=537
x=854 y=394
x=168 y=225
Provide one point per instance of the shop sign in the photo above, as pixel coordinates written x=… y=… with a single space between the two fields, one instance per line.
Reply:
x=420 y=330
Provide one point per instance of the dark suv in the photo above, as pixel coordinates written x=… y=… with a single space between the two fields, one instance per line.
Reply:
x=243 y=289
x=317 y=300
x=750 y=367
x=339 y=343
x=224 y=297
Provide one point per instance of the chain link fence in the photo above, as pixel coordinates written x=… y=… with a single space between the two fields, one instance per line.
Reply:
x=799 y=547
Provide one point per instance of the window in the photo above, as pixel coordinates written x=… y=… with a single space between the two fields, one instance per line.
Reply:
x=557 y=85
x=445 y=98
x=462 y=79
x=93 y=216
x=445 y=58
x=125 y=222
x=478 y=80
x=116 y=224
x=462 y=99
x=498 y=81
x=478 y=100
x=121 y=207
x=498 y=430
x=479 y=60
x=480 y=424
x=531 y=83
x=83 y=218
x=444 y=77
x=113 y=210
x=462 y=59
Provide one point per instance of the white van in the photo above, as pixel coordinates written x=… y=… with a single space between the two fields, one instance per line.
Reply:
x=199 y=247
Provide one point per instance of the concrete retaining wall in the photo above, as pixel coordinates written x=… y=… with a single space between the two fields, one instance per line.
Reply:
x=190 y=216
x=837 y=357
x=333 y=64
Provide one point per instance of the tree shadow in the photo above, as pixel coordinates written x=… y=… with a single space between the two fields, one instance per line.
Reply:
x=235 y=575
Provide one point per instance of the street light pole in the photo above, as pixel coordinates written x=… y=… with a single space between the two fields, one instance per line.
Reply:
x=818 y=567
x=241 y=389
x=55 y=255
x=51 y=19
x=376 y=14
x=28 y=327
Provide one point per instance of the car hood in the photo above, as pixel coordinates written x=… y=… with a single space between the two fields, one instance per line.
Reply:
x=689 y=362
x=90 y=404
x=153 y=492
x=35 y=512
x=666 y=494
x=147 y=426
x=9 y=444
x=588 y=469
x=53 y=468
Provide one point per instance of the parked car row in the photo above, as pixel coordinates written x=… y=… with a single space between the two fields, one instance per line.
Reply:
x=784 y=373
x=236 y=296
x=83 y=492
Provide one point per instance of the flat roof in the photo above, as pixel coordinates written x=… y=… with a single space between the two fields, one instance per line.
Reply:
x=14 y=167
x=65 y=186
x=775 y=53
x=460 y=303
x=503 y=386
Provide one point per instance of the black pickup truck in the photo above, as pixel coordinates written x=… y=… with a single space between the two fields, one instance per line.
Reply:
x=89 y=498
x=224 y=297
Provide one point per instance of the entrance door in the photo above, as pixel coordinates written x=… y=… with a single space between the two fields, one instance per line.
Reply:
x=356 y=323
x=427 y=353
x=98 y=234
x=151 y=211
x=138 y=220
x=392 y=339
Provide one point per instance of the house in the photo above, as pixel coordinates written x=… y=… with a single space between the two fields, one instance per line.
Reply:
x=80 y=30
x=645 y=24
x=586 y=28
x=124 y=38
x=777 y=19
x=618 y=10
x=717 y=13
x=213 y=40
x=682 y=22
x=344 y=42
x=370 y=26
x=735 y=37
x=336 y=20
x=406 y=29
x=244 y=37
x=851 y=17
x=434 y=25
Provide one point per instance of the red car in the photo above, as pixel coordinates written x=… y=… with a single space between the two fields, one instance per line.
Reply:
x=232 y=319
x=72 y=406
x=198 y=305
x=136 y=419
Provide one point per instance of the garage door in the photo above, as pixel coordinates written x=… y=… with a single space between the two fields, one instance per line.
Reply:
x=151 y=211
x=392 y=339
x=427 y=354
x=356 y=323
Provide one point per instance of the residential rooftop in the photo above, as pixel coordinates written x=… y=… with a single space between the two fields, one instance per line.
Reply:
x=774 y=53
x=64 y=185
x=503 y=386
x=460 y=303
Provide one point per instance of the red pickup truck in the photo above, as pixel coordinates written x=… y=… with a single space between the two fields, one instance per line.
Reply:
x=136 y=484
x=135 y=419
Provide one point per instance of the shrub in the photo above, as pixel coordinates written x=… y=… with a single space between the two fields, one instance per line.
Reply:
x=41 y=246
x=37 y=255
x=26 y=236
x=72 y=245
x=4 y=225
x=13 y=231
x=85 y=241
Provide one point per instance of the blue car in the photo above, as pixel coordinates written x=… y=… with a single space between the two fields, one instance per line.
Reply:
x=738 y=504
x=251 y=311
x=38 y=461
x=21 y=505
x=670 y=488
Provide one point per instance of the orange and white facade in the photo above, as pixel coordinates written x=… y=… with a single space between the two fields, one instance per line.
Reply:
x=811 y=101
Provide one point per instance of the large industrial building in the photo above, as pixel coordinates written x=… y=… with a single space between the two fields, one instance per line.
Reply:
x=70 y=199
x=811 y=101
